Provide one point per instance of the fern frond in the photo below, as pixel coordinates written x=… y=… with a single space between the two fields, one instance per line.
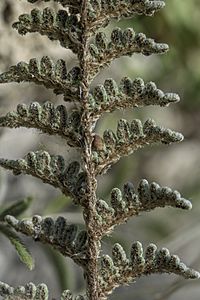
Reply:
x=57 y=26
x=70 y=3
x=129 y=94
x=28 y=292
x=58 y=233
x=128 y=203
x=120 y=270
x=67 y=295
x=47 y=118
x=51 y=169
x=129 y=138
x=72 y=27
x=47 y=73
x=122 y=43
x=32 y=292
x=101 y=12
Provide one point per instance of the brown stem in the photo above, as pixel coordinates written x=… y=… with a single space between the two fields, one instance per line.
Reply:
x=89 y=205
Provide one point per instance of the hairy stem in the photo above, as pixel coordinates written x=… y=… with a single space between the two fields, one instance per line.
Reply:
x=89 y=203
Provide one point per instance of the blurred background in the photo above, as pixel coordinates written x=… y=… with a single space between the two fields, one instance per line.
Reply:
x=176 y=166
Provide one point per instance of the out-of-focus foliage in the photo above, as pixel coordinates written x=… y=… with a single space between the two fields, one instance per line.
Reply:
x=16 y=209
